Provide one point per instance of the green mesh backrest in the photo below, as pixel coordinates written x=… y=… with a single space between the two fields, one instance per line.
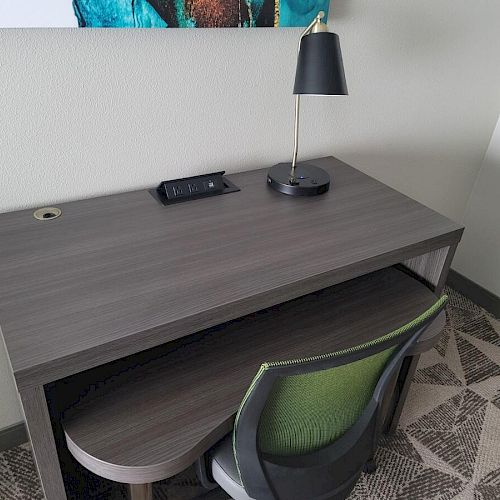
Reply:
x=307 y=412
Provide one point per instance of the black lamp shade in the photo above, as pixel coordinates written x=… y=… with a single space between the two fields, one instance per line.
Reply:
x=319 y=66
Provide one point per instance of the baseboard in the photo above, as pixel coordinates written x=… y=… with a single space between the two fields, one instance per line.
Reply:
x=12 y=436
x=475 y=292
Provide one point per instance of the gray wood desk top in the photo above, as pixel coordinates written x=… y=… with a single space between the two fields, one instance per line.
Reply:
x=119 y=274
x=185 y=401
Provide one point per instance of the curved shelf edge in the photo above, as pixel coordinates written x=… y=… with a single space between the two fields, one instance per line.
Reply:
x=148 y=473
x=431 y=336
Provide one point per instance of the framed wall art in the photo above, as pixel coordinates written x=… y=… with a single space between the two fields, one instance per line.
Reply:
x=159 y=13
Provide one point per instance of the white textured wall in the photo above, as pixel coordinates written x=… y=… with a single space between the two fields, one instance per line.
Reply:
x=26 y=14
x=87 y=112
x=478 y=256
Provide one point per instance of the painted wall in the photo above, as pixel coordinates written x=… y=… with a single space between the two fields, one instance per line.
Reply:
x=91 y=112
x=16 y=14
x=478 y=256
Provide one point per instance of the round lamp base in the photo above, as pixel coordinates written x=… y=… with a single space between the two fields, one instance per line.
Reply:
x=308 y=181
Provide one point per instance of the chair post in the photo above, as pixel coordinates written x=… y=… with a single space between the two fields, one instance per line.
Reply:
x=202 y=467
x=141 y=491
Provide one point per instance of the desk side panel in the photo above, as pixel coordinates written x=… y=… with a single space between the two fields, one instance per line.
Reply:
x=43 y=443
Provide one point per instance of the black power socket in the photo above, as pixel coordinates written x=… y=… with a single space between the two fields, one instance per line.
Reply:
x=190 y=188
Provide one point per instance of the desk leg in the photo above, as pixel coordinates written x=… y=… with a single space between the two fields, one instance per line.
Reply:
x=432 y=267
x=42 y=441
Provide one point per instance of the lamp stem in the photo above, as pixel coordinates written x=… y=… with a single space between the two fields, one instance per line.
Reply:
x=314 y=26
x=296 y=136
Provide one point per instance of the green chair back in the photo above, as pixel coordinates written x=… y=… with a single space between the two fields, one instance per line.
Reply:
x=295 y=411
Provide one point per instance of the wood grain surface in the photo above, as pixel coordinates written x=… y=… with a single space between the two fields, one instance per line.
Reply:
x=43 y=445
x=154 y=419
x=118 y=274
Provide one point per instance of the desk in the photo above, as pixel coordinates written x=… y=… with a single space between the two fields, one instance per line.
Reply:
x=120 y=274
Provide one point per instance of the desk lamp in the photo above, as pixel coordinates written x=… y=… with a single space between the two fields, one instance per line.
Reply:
x=319 y=72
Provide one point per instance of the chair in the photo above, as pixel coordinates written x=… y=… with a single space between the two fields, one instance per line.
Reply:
x=307 y=428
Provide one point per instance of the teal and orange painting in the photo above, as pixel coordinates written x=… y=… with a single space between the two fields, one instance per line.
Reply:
x=160 y=13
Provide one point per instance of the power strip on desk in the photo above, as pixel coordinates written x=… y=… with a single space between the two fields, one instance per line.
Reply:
x=192 y=188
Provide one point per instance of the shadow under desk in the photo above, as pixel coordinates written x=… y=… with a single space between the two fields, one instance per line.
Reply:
x=151 y=415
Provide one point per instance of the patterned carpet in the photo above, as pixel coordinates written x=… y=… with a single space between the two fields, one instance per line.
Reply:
x=447 y=445
x=448 y=442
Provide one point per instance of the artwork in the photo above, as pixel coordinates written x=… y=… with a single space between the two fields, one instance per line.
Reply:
x=159 y=13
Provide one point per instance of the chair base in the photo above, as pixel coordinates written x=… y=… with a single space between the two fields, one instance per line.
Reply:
x=370 y=466
x=204 y=474
x=141 y=491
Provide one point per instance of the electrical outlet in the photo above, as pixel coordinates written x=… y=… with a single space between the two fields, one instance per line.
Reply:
x=190 y=188
x=178 y=191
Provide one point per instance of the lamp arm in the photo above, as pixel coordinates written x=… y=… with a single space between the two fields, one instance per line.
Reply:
x=296 y=136
x=315 y=22
x=317 y=19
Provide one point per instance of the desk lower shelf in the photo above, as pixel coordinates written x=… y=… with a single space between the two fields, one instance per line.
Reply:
x=153 y=418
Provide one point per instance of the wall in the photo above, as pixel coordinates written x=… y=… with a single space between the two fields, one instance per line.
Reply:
x=16 y=14
x=91 y=112
x=478 y=256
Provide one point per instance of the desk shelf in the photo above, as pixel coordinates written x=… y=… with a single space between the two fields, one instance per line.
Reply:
x=152 y=418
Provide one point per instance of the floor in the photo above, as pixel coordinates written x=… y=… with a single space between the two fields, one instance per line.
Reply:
x=447 y=445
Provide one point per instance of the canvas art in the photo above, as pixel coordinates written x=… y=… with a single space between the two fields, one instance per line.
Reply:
x=159 y=13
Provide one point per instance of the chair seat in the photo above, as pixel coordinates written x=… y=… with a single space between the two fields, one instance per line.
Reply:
x=225 y=471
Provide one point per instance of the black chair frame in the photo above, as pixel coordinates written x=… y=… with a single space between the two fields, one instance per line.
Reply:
x=330 y=472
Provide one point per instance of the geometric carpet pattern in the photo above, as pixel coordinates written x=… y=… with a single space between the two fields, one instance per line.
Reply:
x=447 y=445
